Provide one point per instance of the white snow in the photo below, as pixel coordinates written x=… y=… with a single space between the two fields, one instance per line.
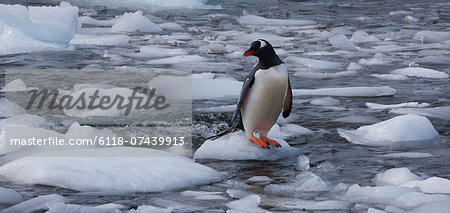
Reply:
x=362 y=36
x=395 y=176
x=435 y=112
x=27 y=29
x=302 y=163
x=131 y=22
x=258 y=20
x=341 y=41
x=248 y=203
x=9 y=196
x=407 y=155
x=236 y=146
x=100 y=40
x=325 y=101
x=404 y=129
x=347 y=91
x=432 y=36
x=400 y=105
x=145 y=170
x=420 y=72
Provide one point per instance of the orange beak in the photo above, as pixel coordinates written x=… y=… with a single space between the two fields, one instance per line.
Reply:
x=250 y=52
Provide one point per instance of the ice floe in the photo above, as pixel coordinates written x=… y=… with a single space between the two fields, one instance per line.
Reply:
x=91 y=21
x=178 y=59
x=249 y=203
x=33 y=28
x=390 y=77
x=341 y=41
x=150 y=209
x=314 y=63
x=131 y=22
x=363 y=36
x=304 y=182
x=420 y=72
x=302 y=163
x=40 y=203
x=395 y=177
x=144 y=170
x=326 y=75
x=100 y=40
x=15 y=86
x=347 y=91
x=434 y=112
x=150 y=4
x=407 y=155
x=236 y=146
x=258 y=20
x=325 y=101
x=401 y=130
x=432 y=36
x=371 y=105
x=156 y=51
x=9 y=196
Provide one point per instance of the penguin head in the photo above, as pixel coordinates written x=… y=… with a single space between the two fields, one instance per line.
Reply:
x=259 y=47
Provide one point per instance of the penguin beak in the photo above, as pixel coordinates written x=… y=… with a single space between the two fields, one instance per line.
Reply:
x=250 y=52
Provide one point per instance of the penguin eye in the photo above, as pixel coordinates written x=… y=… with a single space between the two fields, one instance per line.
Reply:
x=262 y=44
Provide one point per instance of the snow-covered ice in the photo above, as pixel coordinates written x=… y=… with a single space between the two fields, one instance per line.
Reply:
x=131 y=22
x=347 y=91
x=15 y=86
x=236 y=146
x=420 y=72
x=33 y=28
x=302 y=163
x=342 y=42
x=304 y=182
x=144 y=170
x=363 y=36
x=249 y=203
x=395 y=177
x=371 y=105
x=432 y=36
x=401 y=130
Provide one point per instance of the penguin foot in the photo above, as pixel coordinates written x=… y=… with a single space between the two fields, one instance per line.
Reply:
x=259 y=142
x=273 y=142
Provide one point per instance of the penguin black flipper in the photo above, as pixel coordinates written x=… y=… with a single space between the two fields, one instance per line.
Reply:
x=287 y=106
x=236 y=121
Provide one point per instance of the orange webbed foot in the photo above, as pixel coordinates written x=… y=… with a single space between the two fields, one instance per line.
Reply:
x=259 y=142
x=273 y=142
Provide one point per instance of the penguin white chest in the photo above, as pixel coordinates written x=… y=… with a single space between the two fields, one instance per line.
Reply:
x=264 y=100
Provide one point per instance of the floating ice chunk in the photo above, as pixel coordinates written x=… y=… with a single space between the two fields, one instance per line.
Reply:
x=432 y=36
x=357 y=119
x=259 y=179
x=347 y=91
x=203 y=195
x=378 y=59
x=258 y=20
x=341 y=30
x=325 y=101
x=304 y=182
x=390 y=77
x=157 y=51
x=311 y=205
x=27 y=120
x=214 y=48
x=362 y=36
x=195 y=86
x=314 y=64
x=354 y=66
x=236 y=146
x=408 y=155
x=150 y=4
x=248 y=203
x=91 y=21
x=400 y=13
x=40 y=203
x=178 y=59
x=152 y=171
x=435 y=112
x=341 y=41
x=327 y=167
x=319 y=75
x=404 y=129
x=234 y=193
x=100 y=40
x=131 y=22
x=15 y=86
x=9 y=196
x=420 y=72
x=151 y=209
x=294 y=130
x=224 y=108
x=372 y=210
x=171 y=26
x=395 y=176
x=376 y=194
x=436 y=207
x=430 y=185
x=432 y=59
x=302 y=163
x=275 y=40
x=57 y=207
x=391 y=106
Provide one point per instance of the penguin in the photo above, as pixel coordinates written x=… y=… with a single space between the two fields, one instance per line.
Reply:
x=265 y=94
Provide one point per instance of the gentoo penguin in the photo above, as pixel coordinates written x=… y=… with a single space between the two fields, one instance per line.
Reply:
x=264 y=95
